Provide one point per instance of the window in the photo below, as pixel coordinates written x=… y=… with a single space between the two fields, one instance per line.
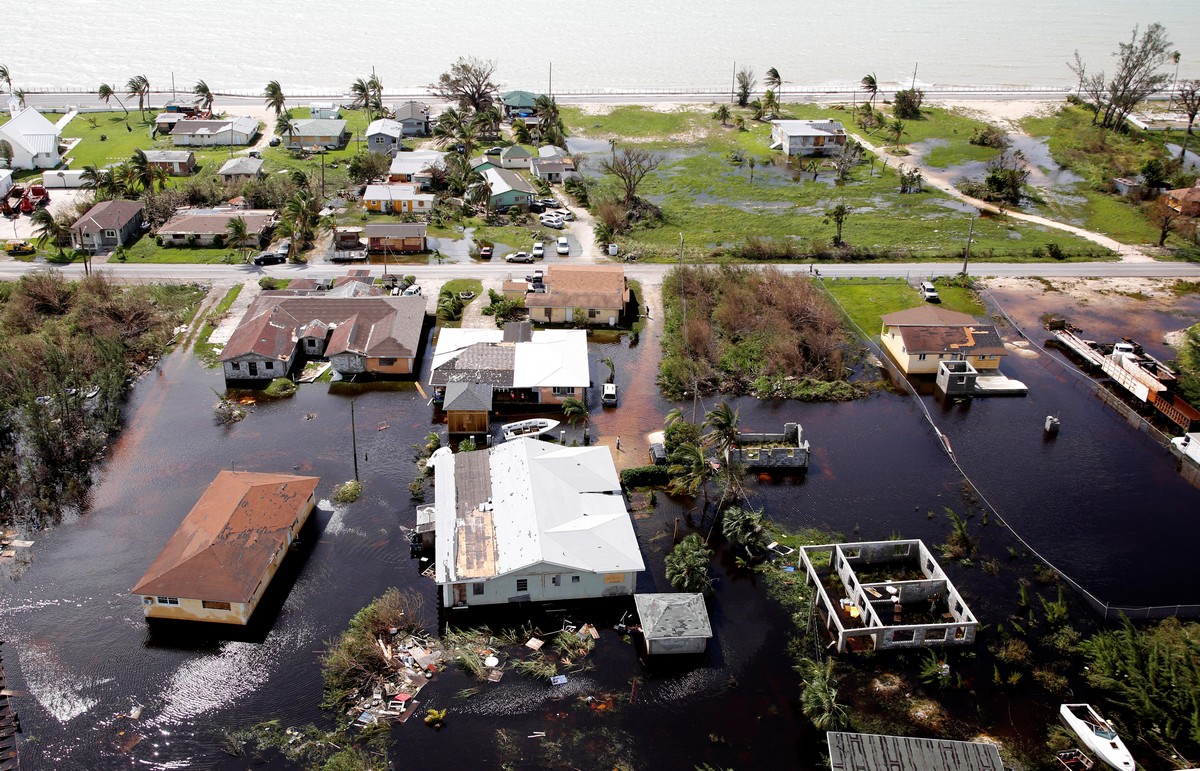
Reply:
x=167 y=600
x=549 y=312
x=920 y=357
x=387 y=362
x=932 y=635
x=253 y=368
x=593 y=313
x=215 y=605
x=563 y=391
x=556 y=580
x=110 y=234
x=574 y=579
x=235 y=365
x=903 y=635
x=477 y=589
x=522 y=584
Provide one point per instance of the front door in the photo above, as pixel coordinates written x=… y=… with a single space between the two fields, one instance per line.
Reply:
x=253 y=368
x=460 y=594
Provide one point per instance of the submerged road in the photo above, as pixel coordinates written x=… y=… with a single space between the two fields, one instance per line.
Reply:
x=646 y=273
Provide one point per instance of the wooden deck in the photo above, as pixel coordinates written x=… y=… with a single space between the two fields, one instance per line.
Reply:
x=872 y=752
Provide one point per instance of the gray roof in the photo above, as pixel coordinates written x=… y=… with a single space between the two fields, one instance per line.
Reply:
x=873 y=752
x=169 y=156
x=549 y=358
x=672 y=616
x=517 y=332
x=479 y=363
x=107 y=215
x=245 y=125
x=394 y=230
x=243 y=165
x=468 y=396
x=503 y=180
x=385 y=126
x=809 y=128
x=412 y=111
x=319 y=127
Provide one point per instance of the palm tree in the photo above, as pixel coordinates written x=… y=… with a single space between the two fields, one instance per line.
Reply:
x=722 y=114
x=284 y=125
x=275 y=98
x=837 y=215
x=6 y=77
x=235 y=229
x=106 y=92
x=722 y=424
x=202 y=90
x=477 y=194
x=20 y=95
x=687 y=565
x=896 y=129
x=770 y=103
x=49 y=229
x=673 y=417
x=487 y=120
x=818 y=699
x=455 y=128
x=574 y=410
x=301 y=213
x=300 y=180
x=871 y=86
x=689 y=470
x=361 y=89
x=739 y=122
x=139 y=86
x=143 y=170
x=772 y=79
x=375 y=87
x=744 y=526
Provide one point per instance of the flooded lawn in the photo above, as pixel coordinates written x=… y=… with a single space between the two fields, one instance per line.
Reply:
x=79 y=646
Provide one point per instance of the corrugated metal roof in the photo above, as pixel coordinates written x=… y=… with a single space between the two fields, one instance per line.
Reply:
x=873 y=752
x=555 y=357
x=672 y=616
x=415 y=162
x=468 y=397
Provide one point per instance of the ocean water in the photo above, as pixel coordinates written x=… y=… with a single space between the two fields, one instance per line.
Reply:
x=320 y=47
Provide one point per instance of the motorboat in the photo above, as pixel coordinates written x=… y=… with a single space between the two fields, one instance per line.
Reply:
x=1098 y=735
x=531 y=427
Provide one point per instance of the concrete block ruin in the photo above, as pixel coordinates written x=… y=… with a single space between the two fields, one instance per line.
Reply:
x=880 y=595
x=765 y=450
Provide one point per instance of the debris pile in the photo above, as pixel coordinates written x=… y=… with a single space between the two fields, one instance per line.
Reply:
x=413 y=660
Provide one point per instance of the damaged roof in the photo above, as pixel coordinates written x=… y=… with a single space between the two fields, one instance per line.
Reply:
x=549 y=358
x=225 y=543
x=672 y=616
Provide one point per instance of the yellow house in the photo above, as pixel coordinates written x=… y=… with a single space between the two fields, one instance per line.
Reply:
x=397 y=198
x=218 y=564
x=600 y=292
x=918 y=338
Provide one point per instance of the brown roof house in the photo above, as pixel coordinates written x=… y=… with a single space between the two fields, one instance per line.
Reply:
x=374 y=335
x=1185 y=200
x=220 y=561
x=918 y=339
x=107 y=225
x=600 y=292
x=395 y=237
x=209 y=227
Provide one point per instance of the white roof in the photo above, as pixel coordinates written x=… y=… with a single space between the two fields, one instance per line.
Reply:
x=809 y=128
x=30 y=129
x=385 y=126
x=395 y=193
x=549 y=505
x=241 y=165
x=553 y=357
x=415 y=162
x=551 y=151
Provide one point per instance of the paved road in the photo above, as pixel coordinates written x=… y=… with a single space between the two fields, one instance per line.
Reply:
x=645 y=273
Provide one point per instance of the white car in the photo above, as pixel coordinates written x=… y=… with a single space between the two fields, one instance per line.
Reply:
x=552 y=222
x=562 y=246
x=539 y=250
x=565 y=213
x=413 y=291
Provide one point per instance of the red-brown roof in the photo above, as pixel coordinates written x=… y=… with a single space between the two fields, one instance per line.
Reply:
x=928 y=315
x=585 y=286
x=224 y=544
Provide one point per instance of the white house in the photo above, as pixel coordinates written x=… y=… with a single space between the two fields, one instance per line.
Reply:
x=807 y=137
x=204 y=133
x=515 y=157
x=6 y=182
x=414 y=167
x=397 y=198
x=553 y=170
x=31 y=140
x=324 y=110
x=673 y=623
x=530 y=521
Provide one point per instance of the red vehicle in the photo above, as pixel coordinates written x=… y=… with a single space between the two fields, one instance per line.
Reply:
x=26 y=205
x=16 y=191
x=6 y=208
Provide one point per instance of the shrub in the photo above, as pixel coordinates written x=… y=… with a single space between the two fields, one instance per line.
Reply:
x=679 y=433
x=989 y=136
x=687 y=565
x=192 y=239
x=645 y=476
x=268 y=283
x=349 y=492
x=906 y=104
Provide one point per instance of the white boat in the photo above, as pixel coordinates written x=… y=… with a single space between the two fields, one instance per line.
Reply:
x=1097 y=734
x=531 y=427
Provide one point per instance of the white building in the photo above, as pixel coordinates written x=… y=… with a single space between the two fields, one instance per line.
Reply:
x=31 y=140
x=324 y=110
x=203 y=133
x=530 y=521
x=807 y=137
x=519 y=365
x=415 y=166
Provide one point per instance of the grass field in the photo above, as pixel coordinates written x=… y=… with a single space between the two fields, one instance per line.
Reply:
x=718 y=204
x=867 y=301
x=123 y=136
x=145 y=250
x=204 y=350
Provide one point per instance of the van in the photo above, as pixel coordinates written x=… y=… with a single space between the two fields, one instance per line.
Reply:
x=929 y=292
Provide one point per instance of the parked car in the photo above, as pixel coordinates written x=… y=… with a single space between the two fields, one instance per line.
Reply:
x=19 y=247
x=536 y=207
x=562 y=245
x=608 y=395
x=551 y=221
x=269 y=258
x=565 y=213
x=549 y=203
x=275 y=142
x=518 y=257
x=254 y=154
x=539 y=250
x=536 y=277
x=413 y=290
x=485 y=252
x=493 y=151
x=929 y=292
x=284 y=247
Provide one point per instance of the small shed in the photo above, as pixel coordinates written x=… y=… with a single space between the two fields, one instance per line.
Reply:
x=956 y=378
x=467 y=406
x=673 y=623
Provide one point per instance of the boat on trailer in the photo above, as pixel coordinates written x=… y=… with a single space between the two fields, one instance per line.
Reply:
x=1098 y=735
x=532 y=427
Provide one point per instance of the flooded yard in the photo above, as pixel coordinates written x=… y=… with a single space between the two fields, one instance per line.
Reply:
x=79 y=647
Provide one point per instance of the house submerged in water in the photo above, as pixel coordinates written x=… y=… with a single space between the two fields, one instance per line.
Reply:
x=530 y=521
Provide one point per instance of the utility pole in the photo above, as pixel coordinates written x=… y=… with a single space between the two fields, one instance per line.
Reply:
x=172 y=86
x=967 y=250
x=353 y=440
x=550 y=85
x=732 y=93
x=914 y=83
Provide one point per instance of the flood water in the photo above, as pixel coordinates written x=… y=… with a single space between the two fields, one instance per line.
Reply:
x=1096 y=501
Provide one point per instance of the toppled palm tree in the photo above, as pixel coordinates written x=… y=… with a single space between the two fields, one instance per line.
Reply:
x=202 y=90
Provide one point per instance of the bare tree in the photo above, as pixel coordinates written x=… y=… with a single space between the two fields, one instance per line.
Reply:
x=630 y=167
x=1138 y=75
x=847 y=158
x=468 y=83
x=1163 y=217
x=1188 y=97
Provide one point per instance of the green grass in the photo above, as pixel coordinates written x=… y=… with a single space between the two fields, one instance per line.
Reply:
x=280 y=388
x=952 y=126
x=205 y=351
x=145 y=250
x=121 y=142
x=866 y=301
x=520 y=237
x=465 y=285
